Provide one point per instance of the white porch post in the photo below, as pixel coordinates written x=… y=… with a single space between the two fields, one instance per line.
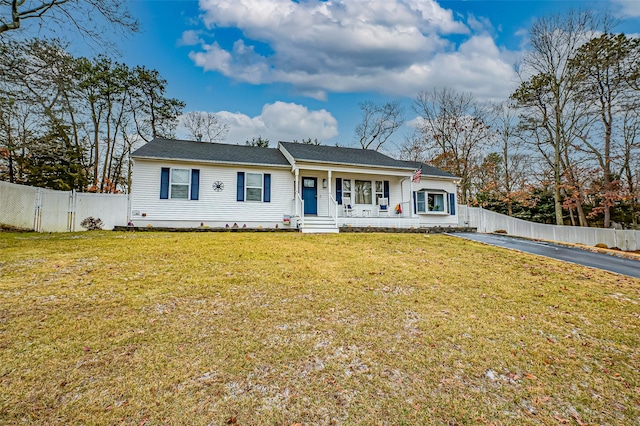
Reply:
x=295 y=192
x=329 y=195
x=412 y=213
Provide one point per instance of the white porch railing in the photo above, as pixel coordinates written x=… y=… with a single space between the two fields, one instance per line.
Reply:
x=299 y=209
x=333 y=209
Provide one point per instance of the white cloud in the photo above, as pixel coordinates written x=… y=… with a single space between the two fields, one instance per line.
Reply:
x=279 y=121
x=190 y=38
x=395 y=46
x=627 y=8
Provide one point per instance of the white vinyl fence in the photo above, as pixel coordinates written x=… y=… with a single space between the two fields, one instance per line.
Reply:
x=487 y=221
x=46 y=210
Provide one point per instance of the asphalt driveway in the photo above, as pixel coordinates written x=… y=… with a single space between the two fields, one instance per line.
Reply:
x=603 y=261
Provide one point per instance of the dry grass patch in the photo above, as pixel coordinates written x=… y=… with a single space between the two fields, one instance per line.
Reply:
x=215 y=328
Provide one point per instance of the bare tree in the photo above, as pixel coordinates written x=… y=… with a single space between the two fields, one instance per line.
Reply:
x=630 y=169
x=605 y=76
x=378 y=123
x=413 y=148
x=547 y=94
x=205 y=126
x=513 y=160
x=85 y=16
x=454 y=130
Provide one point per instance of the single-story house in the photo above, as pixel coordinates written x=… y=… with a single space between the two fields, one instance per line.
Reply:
x=314 y=188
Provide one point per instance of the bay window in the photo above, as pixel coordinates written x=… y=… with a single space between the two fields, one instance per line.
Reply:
x=430 y=202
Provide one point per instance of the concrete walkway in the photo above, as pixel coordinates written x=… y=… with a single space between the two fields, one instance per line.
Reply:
x=602 y=261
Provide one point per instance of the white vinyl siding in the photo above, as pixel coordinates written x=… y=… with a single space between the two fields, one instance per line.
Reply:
x=213 y=206
x=426 y=186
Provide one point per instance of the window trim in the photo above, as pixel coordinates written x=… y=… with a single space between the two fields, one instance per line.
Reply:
x=371 y=191
x=425 y=194
x=377 y=194
x=247 y=187
x=348 y=193
x=172 y=184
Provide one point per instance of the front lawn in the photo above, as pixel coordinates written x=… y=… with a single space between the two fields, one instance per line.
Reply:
x=266 y=329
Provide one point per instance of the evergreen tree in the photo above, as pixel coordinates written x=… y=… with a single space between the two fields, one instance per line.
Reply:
x=55 y=162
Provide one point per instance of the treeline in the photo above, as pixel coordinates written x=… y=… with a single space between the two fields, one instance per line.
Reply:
x=71 y=122
x=565 y=147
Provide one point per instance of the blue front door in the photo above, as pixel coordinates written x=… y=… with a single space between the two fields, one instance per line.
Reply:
x=310 y=195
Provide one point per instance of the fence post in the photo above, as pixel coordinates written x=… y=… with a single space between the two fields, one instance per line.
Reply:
x=72 y=194
x=37 y=214
x=129 y=207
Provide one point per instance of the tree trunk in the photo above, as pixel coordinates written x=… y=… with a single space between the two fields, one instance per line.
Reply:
x=557 y=196
x=582 y=218
x=573 y=220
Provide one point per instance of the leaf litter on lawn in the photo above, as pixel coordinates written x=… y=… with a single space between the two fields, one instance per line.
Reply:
x=312 y=329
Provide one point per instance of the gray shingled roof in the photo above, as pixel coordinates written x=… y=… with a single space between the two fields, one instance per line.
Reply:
x=171 y=149
x=428 y=170
x=341 y=155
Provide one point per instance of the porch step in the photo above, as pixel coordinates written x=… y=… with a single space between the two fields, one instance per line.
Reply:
x=319 y=225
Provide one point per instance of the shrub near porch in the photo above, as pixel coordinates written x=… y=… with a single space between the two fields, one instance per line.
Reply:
x=152 y=328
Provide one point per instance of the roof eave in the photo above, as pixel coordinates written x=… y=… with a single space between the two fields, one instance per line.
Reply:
x=226 y=163
x=440 y=177
x=410 y=169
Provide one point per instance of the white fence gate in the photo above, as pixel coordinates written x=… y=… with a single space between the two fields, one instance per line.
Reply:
x=46 y=210
x=487 y=221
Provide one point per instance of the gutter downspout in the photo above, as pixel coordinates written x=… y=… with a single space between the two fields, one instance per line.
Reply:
x=410 y=195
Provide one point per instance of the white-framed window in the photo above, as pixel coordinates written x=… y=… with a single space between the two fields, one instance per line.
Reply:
x=253 y=187
x=430 y=202
x=363 y=192
x=379 y=188
x=346 y=188
x=180 y=184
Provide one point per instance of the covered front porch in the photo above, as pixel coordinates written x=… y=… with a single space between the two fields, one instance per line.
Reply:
x=333 y=199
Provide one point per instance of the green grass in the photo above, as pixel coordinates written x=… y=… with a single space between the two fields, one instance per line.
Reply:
x=253 y=329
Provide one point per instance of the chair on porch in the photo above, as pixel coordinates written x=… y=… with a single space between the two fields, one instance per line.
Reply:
x=383 y=206
x=347 y=206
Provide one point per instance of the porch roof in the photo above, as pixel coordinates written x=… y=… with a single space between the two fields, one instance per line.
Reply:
x=341 y=155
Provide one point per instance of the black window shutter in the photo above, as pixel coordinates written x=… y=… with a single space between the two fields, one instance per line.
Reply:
x=195 y=184
x=339 y=190
x=452 y=203
x=386 y=189
x=266 y=197
x=415 y=202
x=240 y=187
x=164 y=183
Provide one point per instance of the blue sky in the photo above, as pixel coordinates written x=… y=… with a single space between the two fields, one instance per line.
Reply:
x=285 y=69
